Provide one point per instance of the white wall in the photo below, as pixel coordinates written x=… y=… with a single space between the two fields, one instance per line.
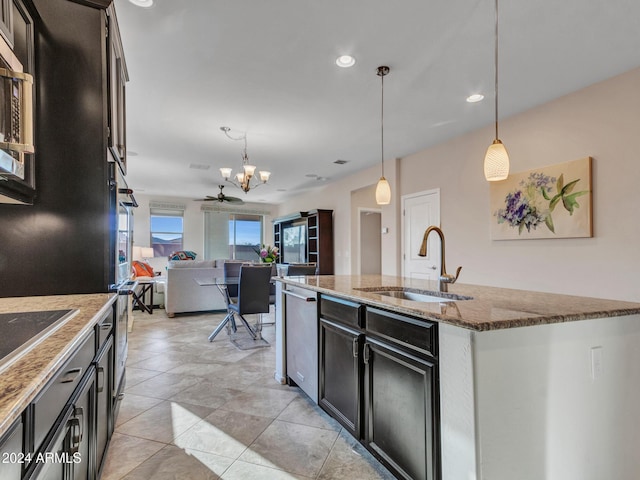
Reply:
x=193 y=222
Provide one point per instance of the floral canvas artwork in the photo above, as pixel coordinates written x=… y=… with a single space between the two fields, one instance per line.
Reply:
x=546 y=202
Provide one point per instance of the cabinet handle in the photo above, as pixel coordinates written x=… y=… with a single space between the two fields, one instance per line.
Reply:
x=106 y=326
x=355 y=347
x=100 y=374
x=301 y=297
x=366 y=354
x=67 y=379
x=79 y=414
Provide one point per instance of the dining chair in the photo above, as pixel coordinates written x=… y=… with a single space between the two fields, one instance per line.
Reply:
x=253 y=296
x=301 y=269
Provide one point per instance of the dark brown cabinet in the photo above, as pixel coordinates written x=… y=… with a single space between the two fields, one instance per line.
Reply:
x=401 y=394
x=11 y=457
x=117 y=78
x=341 y=339
x=104 y=403
x=6 y=20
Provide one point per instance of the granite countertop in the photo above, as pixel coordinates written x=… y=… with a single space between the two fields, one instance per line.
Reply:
x=490 y=308
x=22 y=379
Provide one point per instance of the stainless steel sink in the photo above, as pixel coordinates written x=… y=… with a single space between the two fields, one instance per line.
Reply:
x=415 y=295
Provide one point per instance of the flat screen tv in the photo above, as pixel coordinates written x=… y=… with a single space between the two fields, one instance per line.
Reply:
x=294 y=244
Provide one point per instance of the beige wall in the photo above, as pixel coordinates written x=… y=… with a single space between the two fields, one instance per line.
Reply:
x=601 y=121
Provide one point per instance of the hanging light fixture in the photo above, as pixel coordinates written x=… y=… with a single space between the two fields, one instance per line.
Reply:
x=383 y=191
x=243 y=178
x=496 y=160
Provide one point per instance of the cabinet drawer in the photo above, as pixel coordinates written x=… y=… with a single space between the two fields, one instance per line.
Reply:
x=104 y=329
x=343 y=311
x=50 y=402
x=416 y=334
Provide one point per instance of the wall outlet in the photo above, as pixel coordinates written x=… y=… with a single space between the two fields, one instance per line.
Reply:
x=596 y=362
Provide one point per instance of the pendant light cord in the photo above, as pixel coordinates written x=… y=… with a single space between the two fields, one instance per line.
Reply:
x=496 y=72
x=382 y=125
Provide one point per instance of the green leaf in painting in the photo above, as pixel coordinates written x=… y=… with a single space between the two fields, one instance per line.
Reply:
x=549 y=222
x=520 y=228
x=569 y=201
x=554 y=201
x=560 y=182
x=569 y=187
x=544 y=193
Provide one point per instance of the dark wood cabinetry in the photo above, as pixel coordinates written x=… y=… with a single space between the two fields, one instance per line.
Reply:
x=401 y=394
x=341 y=340
x=11 y=459
x=318 y=230
x=117 y=78
x=379 y=379
x=6 y=20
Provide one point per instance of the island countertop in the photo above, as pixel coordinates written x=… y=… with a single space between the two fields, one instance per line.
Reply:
x=22 y=379
x=490 y=308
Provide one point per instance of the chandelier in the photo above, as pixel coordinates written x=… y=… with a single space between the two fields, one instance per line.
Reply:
x=243 y=179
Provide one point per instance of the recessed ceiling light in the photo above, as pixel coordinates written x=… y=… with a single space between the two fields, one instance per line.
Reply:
x=142 y=3
x=476 y=97
x=345 y=61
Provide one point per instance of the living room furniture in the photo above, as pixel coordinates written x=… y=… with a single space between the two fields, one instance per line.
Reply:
x=140 y=295
x=182 y=292
x=318 y=239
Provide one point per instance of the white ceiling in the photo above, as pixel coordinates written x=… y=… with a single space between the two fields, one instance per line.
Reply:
x=267 y=68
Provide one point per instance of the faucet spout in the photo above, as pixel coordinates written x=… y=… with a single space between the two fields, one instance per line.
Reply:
x=445 y=277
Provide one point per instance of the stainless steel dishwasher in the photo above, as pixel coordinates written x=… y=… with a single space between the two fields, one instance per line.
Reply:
x=301 y=324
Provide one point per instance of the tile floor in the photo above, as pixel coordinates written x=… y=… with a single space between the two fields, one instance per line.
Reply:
x=199 y=410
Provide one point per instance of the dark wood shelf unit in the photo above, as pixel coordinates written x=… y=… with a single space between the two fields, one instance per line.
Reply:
x=319 y=231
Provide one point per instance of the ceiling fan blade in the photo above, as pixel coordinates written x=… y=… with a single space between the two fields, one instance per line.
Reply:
x=237 y=201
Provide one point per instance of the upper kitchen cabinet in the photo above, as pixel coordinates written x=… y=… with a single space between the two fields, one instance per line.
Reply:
x=75 y=207
x=17 y=95
x=117 y=79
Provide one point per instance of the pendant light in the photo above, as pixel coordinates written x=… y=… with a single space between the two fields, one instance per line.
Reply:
x=496 y=160
x=383 y=191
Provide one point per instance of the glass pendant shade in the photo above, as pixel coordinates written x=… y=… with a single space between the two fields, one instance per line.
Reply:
x=383 y=192
x=264 y=176
x=249 y=170
x=226 y=173
x=496 y=162
x=240 y=177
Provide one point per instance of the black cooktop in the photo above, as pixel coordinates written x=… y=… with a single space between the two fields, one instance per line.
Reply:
x=21 y=331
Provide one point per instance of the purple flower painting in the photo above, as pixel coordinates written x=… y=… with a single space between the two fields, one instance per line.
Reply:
x=541 y=204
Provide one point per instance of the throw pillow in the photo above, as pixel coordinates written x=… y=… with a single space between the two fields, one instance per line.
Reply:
x=183 y=255
x=142 y=269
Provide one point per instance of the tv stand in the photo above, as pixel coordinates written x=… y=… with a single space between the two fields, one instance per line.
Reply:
x=319 y=234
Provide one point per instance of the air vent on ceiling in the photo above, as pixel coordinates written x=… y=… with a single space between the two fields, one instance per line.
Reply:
x=196 y=166
x=340 y=162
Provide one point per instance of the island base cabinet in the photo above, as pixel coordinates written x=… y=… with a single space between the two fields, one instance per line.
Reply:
x=340 y=374
x=104 y=420
x=399 y=411
x=11 y=452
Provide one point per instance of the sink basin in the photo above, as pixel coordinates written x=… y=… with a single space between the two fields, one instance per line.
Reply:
x=416 y=295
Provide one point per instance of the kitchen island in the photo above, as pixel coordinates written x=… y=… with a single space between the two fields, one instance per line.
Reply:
x=526 y=385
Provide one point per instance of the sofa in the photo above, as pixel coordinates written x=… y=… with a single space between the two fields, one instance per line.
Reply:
x=182 y=293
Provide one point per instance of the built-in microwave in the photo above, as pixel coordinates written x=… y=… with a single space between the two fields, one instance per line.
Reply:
x=16 y=121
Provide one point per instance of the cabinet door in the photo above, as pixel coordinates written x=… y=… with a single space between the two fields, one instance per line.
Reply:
x=401 y=411
x=6 y=20
x=104 y=382
x=57 y=451
x=82 y=429
x=11 y=459
x=341 y=374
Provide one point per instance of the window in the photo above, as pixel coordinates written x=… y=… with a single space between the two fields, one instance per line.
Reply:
x=233 y=235
x=167 y=232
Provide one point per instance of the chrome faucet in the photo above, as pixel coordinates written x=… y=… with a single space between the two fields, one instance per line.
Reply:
x=445 y=278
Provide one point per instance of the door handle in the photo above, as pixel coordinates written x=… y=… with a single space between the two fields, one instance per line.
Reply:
x=100 y=375
x=366 y=354
x=355 y=347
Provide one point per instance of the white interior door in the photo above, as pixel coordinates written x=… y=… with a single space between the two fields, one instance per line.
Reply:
x=420 y=210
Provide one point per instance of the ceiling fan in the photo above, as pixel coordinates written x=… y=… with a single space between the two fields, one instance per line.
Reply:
x=221 y=197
